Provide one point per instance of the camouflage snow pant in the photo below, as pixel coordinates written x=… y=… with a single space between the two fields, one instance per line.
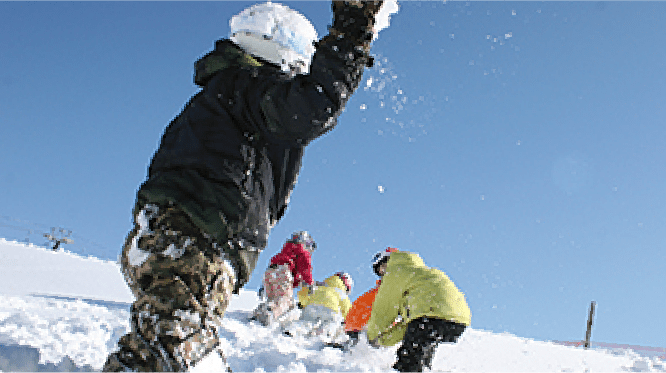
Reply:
x=182 y=282
x=279 y=288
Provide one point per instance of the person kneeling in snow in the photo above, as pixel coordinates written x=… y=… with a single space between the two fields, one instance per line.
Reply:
x=420 y=306
x=324 y=307
x=359 y=314
x=290 y=268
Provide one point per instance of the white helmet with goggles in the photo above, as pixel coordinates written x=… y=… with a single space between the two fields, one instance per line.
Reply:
x=277 y=34
x=346 y=279
x=381 y=258
x=304 y=238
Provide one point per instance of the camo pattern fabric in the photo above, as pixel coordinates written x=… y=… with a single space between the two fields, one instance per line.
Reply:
x=278 y=285
x=182 y=282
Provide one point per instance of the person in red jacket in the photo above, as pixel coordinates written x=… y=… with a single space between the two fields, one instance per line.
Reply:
x=289 y=269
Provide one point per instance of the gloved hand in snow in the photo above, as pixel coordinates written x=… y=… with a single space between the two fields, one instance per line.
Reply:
x=377 y=15
x=357 y=22
x=354 y=20
x=370 y=8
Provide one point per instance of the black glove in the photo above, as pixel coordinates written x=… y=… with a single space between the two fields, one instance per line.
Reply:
x=354 y=19
x=351 y=34
x=370 y=8
x=375 y=343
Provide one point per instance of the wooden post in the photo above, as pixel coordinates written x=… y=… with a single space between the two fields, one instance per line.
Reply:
x=588 y=334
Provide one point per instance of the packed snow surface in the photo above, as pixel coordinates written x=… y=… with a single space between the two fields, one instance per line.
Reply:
x=42 y=330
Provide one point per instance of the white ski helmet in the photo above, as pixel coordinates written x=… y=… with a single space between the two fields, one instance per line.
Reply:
x=346 y=279
x=304 y=238
x=275 y=33
x=381 y=258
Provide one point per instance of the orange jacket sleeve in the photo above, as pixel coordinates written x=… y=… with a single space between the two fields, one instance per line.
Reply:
x=359 y=314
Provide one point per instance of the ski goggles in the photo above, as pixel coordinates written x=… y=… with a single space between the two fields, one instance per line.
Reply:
x=310 y=244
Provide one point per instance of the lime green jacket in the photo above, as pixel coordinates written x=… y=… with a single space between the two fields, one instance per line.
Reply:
x=332 y=296
x=410 y=290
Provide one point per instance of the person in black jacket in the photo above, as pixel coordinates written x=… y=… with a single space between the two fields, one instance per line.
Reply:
x=224 y=170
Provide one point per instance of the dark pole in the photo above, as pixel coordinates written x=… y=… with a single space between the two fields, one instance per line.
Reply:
x=588 y=334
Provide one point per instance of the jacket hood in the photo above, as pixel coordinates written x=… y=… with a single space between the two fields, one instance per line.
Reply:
x=225 y=55
x=405 y=259
x=336 y=282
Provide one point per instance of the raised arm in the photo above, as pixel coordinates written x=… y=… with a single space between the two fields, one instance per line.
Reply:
x=306 y=106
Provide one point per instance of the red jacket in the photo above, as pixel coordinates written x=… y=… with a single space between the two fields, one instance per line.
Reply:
x=299 y=261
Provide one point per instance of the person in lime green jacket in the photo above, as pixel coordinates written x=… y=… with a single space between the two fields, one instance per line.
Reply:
x=417 y=305
x=324 y=308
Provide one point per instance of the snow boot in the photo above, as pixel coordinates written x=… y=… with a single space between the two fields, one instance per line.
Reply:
x=213 y=362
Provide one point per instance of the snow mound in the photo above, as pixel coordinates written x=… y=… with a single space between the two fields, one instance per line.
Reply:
x=63 y=333
x=80 y=334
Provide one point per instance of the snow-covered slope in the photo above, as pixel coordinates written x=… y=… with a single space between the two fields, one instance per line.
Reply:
x=29 y=269
x=50 y=332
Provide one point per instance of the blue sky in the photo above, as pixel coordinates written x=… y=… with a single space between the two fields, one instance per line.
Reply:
x=518 y=146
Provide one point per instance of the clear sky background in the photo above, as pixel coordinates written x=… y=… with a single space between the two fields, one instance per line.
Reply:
x=518 y=146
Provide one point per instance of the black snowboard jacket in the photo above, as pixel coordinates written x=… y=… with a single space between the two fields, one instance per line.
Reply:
x=231 y=158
